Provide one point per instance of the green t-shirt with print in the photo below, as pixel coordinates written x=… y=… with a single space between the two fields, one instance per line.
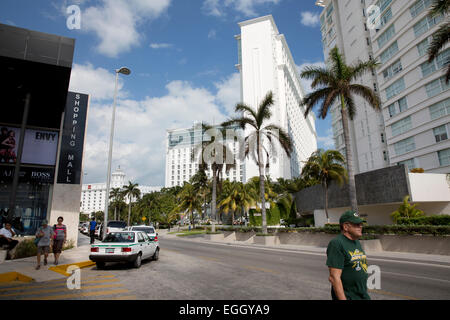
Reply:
x=348 y=255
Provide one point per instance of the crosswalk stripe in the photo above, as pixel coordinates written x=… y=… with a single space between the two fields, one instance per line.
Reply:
x=28 y=293
x=80 y=295
x=53 y=285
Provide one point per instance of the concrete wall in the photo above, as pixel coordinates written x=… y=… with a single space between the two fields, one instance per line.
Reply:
x=66 y=205
x=416 y=244
x=429 y=187
x=305 y=238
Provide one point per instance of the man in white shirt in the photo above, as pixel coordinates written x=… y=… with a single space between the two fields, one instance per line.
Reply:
x=6 y=235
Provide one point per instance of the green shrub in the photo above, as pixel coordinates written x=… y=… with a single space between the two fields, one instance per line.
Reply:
x=273 y=217
x=25 y=249
x=435 y=220
x=406 y=210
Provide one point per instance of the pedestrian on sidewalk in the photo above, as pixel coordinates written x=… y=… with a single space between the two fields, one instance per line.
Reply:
x=347 y=261
x=92 y=226
x=6 y=239
x=45 y=234
x=59 y=238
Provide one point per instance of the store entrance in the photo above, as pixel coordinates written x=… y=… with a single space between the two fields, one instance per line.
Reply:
x=32 y=203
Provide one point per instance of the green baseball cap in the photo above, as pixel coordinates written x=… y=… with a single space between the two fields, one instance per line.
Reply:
x=350 y=216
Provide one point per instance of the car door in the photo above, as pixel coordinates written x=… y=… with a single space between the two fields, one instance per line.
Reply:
x=142 y=244
x=150 y=245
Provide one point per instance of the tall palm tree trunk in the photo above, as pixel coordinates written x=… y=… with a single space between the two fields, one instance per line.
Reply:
x=325 y=186
x=129 y=212
x=348 y=155
x=261 y=186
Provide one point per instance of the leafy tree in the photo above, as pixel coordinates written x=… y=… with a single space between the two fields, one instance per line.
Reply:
x=326 y=166
x=442 y=36
x=256 y=119
x=201 y=185
x=189 y=201
x=116 y=196
x=131 y=191
x=406 y=210
x=336 y=83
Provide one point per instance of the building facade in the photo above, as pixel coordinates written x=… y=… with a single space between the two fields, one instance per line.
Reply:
x=344 y=24
x=93 y=196
x=413 y=127
x=183 y=156
x=266 y=64
x=42 y=131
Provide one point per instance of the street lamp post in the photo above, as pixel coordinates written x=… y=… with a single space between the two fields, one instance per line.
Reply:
x=126 y=72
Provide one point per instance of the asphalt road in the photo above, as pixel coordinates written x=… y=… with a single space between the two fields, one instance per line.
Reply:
x=190 y=270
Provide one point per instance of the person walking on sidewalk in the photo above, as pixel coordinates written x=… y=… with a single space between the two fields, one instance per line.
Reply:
x=59 y=238
x=92 y=226
x=44 y=233
x=347 y=261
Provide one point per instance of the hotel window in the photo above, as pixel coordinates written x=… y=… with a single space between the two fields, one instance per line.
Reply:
x=419 y=6
x=389 y=52
x=441 y=61
x=425 y=24
x=410 y=164
x=392 y=110
x=392 y=70
x=402 y=104
x=440 y=109
x=395 y=88
x=440 y=133
x=423 y=47
x=330 y=10
x=383 y=4
x=386 y=36
x=444 y=157
x=436 y=87
x=404 y=146
x=401 y=126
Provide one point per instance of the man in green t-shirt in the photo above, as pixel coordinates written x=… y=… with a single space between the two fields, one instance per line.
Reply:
x=347 y=261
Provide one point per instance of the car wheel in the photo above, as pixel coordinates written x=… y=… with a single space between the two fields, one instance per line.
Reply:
x=100 y=265
x=138 y=261
x=156 y=255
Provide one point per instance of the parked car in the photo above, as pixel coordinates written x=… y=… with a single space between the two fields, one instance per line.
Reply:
x=124 y=246
x=149 y=230
x=113 y=226
x=85 y=228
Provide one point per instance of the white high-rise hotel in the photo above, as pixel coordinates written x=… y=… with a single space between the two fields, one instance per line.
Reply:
x=265 y=64
x=413 y=127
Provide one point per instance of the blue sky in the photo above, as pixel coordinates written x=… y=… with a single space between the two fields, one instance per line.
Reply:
x=182 y=55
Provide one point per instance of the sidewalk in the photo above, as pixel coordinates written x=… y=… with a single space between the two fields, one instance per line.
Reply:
x=26 y=266
x=401 y=256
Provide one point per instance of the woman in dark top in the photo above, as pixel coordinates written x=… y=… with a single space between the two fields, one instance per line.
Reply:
x=59 y=238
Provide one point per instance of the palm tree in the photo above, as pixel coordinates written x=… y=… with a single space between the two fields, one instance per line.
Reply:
x=131 y=191
x=326 y=167
x=115 y=194
x=336 y=84
x=255 y=140
x=442 y=36
x=201 y=185
x=189 y=201
x=207 y=157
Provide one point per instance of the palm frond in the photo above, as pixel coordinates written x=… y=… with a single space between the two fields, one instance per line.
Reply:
x=313 y=98
x=440 y=7
x=368 y=94
x=440 y=38
x=264 y=112
x=361 y=68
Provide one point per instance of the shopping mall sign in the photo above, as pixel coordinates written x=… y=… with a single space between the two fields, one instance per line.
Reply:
x=72 y=142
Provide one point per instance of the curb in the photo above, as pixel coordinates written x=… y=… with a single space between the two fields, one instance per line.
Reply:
x=63 y=268
x=14 y=276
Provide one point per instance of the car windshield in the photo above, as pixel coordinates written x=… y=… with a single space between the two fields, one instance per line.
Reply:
x=144 y=229
x=117 y=224
x=119 y=237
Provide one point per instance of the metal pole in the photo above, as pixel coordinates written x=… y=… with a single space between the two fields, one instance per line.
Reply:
x=108 y=177
x=12 y=199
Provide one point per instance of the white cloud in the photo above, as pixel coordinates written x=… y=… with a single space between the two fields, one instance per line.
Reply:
x=116 y=22
x=245 y=7
x=97 y=82
x=140 y=127
x=229 y=92
x=310 y=19
x=161 y=45
x=212 y=34
x=306 y=84
x=326 y=142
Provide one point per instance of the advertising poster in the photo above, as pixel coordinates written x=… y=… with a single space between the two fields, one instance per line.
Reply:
x=9 y=144
x=39 y=146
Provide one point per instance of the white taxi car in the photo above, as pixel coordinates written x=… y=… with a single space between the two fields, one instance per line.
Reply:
x=124 y=246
